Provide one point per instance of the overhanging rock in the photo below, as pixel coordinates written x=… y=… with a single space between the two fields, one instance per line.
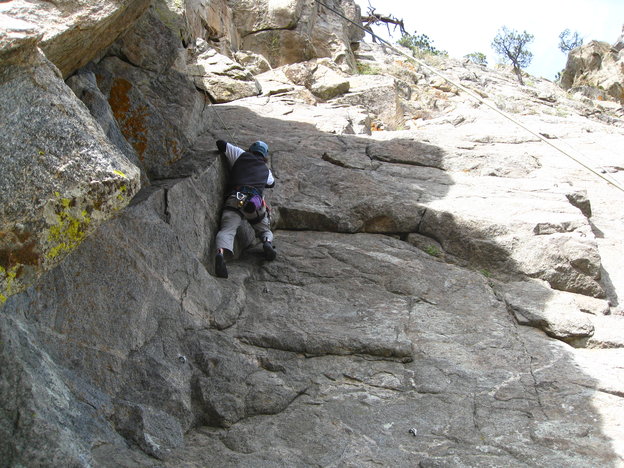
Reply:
x=61 y=177
x=73 y=33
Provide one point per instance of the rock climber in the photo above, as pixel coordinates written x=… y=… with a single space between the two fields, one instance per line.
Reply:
x=249 y=176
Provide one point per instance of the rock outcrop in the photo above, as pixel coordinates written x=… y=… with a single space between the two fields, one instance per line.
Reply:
x=596 y=70
x=447 y=288
x=61 y=176
x=293 y=31
x=72 y=33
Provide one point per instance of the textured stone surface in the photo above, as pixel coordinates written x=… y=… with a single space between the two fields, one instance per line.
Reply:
x=556 y=313
x=293 y=31
x=61 y=177
x=388 y=331
x=319 y=77
x=108 y=352
x=73 y=33
x=380 y=96
x=84 y=85
x=157 y=113
x=223 y=79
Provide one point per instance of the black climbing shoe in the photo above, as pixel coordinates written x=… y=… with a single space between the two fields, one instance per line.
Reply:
x=220 y=268
x=269 y=251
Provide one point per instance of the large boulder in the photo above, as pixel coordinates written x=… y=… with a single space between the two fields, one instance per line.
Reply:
x=222 y=78
x=322 y=80
x=551 y=241
x=73 y=33
x=61 y=176
x=381 y=96
x=557 y=313
x=296 y=31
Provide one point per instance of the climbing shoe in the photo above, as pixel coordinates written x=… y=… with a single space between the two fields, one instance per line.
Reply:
x=220 y=268
x=269 y=251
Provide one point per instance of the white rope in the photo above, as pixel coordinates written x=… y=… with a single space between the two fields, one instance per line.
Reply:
x=479 y=99
x=213 y=106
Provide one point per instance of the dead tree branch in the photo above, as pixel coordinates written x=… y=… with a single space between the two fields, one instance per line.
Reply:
x=373 y=18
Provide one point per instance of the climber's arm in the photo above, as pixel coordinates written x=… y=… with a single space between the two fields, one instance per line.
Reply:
x=231 y=152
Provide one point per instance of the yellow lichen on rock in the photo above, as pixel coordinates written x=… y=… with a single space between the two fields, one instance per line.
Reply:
x=69 y=231
x=7 y=282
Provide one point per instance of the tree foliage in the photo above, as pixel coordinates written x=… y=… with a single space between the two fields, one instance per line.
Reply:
x=569 y=41
x=477 y=57
x=512 y=46
x=420 y=43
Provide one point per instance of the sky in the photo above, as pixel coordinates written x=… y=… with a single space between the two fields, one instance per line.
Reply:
x=463 y=26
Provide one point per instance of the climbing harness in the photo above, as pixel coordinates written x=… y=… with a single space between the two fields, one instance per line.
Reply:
x=249 y=203
x=255 y=209
x=479 y=99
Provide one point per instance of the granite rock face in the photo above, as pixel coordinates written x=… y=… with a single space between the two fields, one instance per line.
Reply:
x=73 y=33
x=61 y=176
x=293 y=31
x=447 y=287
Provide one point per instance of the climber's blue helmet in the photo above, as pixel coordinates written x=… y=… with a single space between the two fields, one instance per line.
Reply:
x=260 y=147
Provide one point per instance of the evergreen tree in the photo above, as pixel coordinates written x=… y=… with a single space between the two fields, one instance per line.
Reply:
x=511 y=45
x=477 y=57
x=420 y=43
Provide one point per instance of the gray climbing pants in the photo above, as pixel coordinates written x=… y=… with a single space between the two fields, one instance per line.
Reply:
x=231 y=220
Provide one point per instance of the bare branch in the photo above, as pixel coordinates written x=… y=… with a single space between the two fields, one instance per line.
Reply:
x=373 y=18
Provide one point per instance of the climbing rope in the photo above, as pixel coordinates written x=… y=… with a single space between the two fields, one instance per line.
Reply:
x=212 y=106
x=479 y=99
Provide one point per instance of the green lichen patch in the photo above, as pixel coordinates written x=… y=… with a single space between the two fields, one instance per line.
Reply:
x=68 y=218
x=69 y=231
x=8 y=282
x=73 y=219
